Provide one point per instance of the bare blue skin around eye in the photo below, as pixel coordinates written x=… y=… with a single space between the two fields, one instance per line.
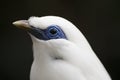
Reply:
x=46 y=35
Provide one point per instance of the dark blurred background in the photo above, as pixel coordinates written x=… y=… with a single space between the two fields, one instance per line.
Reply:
x=99 y=21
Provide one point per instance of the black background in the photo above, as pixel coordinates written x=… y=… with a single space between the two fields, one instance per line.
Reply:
x=99 y=21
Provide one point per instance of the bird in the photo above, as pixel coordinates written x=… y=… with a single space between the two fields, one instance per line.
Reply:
x=60 y=51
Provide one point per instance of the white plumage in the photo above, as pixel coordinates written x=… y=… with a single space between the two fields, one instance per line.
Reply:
x=62 y=59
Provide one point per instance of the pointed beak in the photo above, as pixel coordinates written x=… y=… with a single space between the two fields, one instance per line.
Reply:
x=23 y=24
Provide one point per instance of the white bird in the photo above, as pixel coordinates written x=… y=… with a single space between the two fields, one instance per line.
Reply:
x=60 y=51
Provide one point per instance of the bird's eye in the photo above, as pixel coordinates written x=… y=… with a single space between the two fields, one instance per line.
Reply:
x=53 y=31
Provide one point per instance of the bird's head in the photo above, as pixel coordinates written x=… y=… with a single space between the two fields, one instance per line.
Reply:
x=47 y=27
x=51 y=28
x=44 y=28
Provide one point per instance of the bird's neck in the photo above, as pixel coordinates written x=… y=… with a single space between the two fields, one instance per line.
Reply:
x=41 y=53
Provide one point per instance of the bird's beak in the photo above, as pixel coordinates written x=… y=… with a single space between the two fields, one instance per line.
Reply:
x=23 y=24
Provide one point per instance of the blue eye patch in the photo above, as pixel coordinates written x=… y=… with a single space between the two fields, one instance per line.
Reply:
x=52 y=32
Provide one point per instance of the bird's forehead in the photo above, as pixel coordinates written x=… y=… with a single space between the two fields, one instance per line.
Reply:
x=44 y=22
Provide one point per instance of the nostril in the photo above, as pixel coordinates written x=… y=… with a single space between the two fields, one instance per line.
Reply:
x=58 y=58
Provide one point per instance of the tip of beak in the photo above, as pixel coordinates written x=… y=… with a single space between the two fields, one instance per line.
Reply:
x=21 y=24
x=17 y=23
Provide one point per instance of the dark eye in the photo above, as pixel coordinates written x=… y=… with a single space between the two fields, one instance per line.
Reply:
x=53 y=31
